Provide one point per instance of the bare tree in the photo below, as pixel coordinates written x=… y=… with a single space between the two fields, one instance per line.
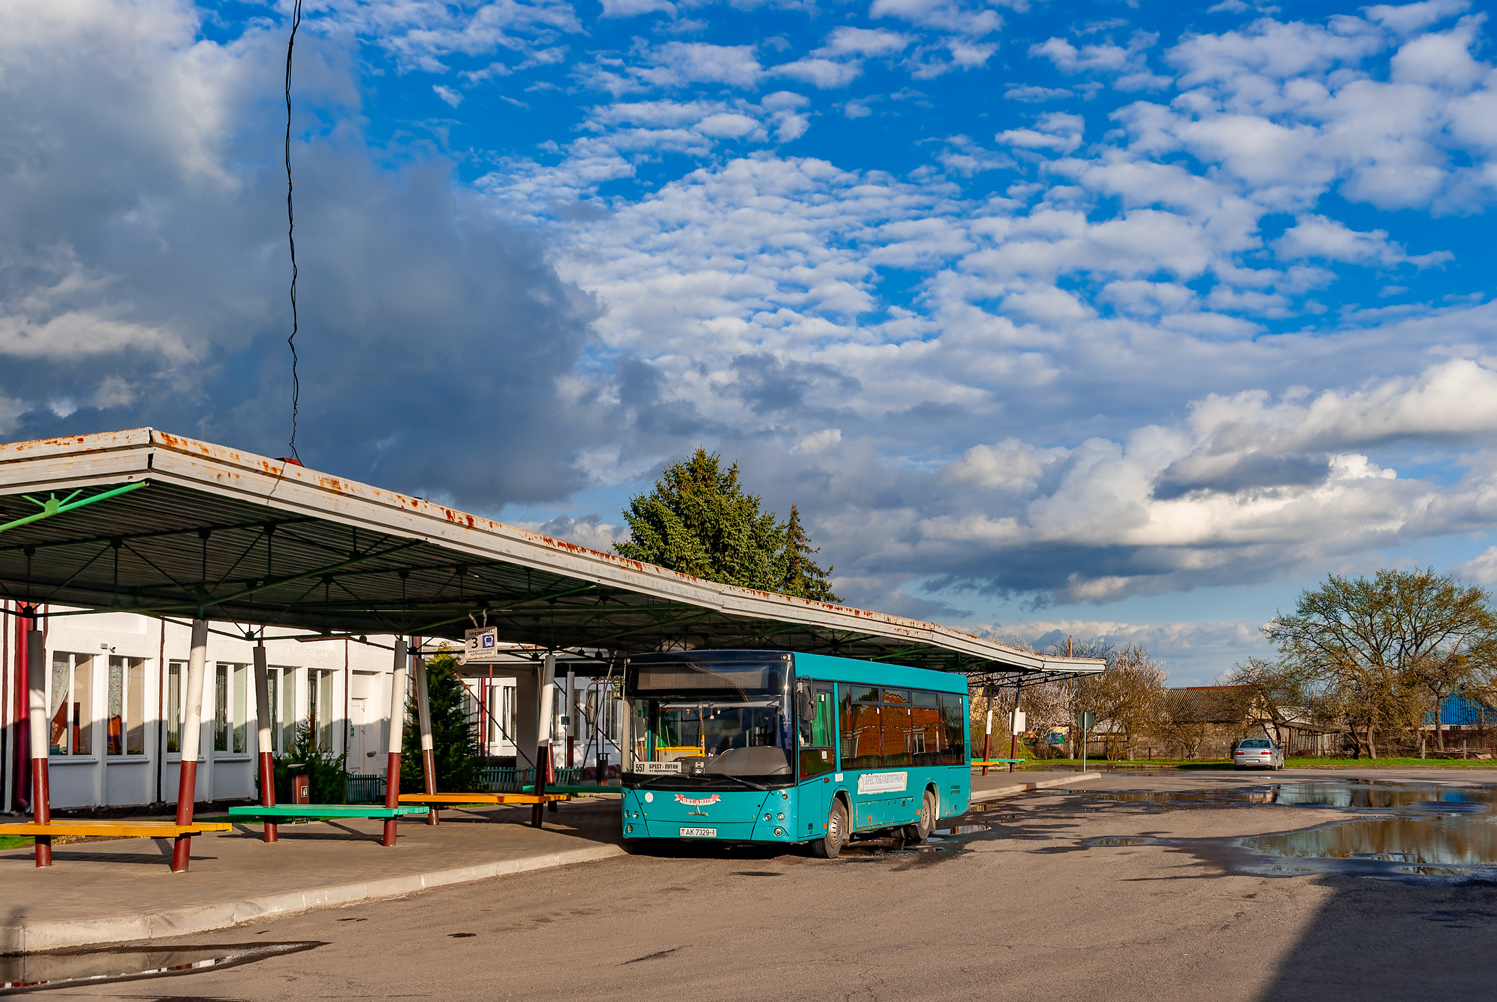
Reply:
x=1377 y=648
x=1269 y=693
x=1125 y=698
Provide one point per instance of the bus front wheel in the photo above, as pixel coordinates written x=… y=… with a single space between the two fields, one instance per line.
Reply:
x=831 y=844
x=921 y=829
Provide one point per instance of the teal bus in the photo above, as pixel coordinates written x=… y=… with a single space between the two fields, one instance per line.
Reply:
x=777 y=747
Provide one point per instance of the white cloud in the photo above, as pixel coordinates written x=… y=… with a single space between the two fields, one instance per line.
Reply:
x=1317 y=236
x=1405 y=18
x=1057 y=131
x=823 y=73
x=944 y=15
x=676 y=64
x=863 y=42
x=634 y=8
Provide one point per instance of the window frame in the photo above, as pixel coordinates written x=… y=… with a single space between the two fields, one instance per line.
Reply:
x=133 y=689
x=74 y=727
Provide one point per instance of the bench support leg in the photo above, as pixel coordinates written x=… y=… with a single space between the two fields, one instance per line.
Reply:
x=542 y=764
x=44 y=850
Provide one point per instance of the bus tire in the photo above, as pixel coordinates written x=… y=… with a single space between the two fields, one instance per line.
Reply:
x=921 y=829
x=828 y=846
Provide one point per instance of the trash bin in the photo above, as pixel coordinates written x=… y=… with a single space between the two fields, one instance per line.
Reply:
x=301 y=784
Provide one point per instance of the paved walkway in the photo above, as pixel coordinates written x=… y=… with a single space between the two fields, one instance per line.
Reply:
x=117 y=891
x=124 y=890
x=996 y=785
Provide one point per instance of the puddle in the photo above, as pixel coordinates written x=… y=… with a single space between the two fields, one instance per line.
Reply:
x=1399 y=829
x=961 y=830
x=72 y=968
x=1463 y=842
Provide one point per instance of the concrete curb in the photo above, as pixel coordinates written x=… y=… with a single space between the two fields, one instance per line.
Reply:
x=982 y=796
x=30 y=937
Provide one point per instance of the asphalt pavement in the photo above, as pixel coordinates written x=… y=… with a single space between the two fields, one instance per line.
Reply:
x=1019 y=909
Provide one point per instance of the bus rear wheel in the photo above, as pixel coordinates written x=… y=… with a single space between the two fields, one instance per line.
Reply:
x=831 y=844
x=921 y=829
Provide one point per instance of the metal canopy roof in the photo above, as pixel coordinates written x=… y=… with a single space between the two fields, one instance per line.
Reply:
x=153 y=523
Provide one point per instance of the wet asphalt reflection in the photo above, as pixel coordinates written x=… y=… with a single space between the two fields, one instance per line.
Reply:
x=74 y=968
x=1402 y=830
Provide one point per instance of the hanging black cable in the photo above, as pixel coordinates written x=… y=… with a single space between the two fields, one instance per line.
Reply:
x=291 y=229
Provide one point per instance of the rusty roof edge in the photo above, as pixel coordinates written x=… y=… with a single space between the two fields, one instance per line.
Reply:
x=214 y=468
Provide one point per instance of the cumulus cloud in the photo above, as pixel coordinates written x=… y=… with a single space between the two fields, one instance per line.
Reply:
x=143 y=274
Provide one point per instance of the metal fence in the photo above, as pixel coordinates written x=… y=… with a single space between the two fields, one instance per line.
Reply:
x=366 y=789
x=508 y=779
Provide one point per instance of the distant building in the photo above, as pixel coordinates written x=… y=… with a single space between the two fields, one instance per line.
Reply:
x=114 y=685
x=1229 y=713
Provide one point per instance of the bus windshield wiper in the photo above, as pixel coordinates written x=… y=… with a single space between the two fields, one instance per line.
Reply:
x=737 y=779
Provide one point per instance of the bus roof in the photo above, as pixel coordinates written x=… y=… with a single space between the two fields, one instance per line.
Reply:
x=822 y=666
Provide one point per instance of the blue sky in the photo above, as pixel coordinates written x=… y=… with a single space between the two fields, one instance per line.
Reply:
x=1084 y=319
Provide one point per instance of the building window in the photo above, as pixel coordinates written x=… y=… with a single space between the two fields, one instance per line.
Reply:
x=72 y=704
x=125 y=725
x=280 y=719
x=229 y=699
x=320 y=712
x=176 y=673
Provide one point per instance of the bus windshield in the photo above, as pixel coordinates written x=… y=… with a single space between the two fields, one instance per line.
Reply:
x=711 y=737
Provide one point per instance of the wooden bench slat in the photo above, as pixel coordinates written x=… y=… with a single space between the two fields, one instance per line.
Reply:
x=124 y=829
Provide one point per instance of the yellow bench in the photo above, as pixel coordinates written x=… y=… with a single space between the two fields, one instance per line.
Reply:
x=108 y=829
x=437 y=801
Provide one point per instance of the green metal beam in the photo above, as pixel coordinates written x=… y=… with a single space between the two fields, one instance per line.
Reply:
x=52 y=506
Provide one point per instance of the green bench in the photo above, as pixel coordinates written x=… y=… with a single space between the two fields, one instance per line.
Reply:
x=270 y=816
x=319 y=812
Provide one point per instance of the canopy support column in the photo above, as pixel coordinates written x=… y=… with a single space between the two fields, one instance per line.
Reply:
x=264 y=717
x=543 y=762
x=423 y=716
x=192 y=719
x=41 y=805
x=397 y=730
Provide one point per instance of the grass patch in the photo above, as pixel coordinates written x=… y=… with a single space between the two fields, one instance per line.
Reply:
x=15 y=841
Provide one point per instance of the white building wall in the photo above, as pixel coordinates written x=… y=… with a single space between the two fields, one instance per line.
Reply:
x=87 y=771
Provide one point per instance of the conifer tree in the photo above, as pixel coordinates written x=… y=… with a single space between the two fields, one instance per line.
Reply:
x=699 y=520
x=803 y=577
x=452 y=734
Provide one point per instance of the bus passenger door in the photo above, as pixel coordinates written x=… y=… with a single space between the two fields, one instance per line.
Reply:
x=818 y=759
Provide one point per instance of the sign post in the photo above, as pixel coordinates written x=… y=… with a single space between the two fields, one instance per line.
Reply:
x=1085 y=720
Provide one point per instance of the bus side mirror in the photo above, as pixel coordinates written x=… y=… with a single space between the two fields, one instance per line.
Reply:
x=806 y=696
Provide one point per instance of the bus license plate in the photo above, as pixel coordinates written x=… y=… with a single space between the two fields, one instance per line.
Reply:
x=699 y=833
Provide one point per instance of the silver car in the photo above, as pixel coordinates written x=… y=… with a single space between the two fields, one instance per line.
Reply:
x=1258 y=753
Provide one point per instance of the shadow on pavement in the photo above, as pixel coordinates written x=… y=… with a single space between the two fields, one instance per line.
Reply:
x=1390 y=940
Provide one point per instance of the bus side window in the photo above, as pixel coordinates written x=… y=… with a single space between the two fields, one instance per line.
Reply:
x=844 y=726
x=953 y=750
x=817 y=754
x=926 y=735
